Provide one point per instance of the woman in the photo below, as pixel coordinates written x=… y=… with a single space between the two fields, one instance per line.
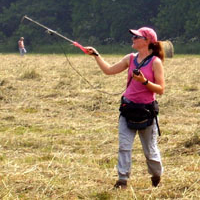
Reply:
x=141 y=89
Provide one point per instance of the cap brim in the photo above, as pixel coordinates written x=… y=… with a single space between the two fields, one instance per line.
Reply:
x=135 y=32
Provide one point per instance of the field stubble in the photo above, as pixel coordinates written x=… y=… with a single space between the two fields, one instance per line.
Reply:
x=59 y=137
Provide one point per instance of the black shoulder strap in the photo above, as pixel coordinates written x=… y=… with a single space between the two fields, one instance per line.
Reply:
x=140 y=65
x=143 y=61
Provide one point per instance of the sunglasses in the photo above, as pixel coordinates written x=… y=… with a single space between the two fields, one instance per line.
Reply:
x=135 y=37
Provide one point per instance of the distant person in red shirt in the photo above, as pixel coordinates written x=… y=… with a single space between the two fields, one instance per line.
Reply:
x=22 y=49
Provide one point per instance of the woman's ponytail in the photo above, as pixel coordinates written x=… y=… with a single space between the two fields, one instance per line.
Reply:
x=157 y=50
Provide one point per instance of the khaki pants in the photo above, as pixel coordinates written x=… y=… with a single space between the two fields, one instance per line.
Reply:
x=148 y=138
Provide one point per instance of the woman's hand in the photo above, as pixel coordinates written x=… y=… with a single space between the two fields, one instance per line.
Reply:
x=140 y=77
x=92 y=51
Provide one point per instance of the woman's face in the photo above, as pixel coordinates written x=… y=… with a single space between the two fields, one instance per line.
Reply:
x=139 y=42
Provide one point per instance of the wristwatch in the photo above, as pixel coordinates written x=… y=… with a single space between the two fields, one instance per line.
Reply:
x=146 y=82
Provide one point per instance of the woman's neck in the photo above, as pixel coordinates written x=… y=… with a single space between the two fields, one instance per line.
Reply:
x=142 y=55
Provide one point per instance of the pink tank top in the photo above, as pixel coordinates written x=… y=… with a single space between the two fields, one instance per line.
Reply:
x=135 y=91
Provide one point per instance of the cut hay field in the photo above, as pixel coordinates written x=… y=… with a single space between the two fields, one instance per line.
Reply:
x=59 y=136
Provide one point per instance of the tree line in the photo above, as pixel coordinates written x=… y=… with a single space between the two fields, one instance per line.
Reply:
x=98 y=22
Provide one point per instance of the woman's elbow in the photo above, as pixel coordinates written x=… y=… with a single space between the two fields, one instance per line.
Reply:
x=108 y=72
x=161 y=92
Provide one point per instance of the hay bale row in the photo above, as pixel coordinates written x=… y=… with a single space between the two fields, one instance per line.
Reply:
x=168 y=48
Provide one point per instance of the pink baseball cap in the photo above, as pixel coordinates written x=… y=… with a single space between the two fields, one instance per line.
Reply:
x=145 y=32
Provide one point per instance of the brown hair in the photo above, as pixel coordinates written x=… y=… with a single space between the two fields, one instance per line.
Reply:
x=158 y=50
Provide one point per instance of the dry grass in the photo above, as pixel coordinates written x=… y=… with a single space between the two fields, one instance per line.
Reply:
x=59 y=137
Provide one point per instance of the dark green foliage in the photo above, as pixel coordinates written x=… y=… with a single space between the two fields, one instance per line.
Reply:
x=95 y=22
x=179 y=20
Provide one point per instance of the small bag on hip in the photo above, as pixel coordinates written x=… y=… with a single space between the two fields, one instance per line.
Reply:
x=138 y=116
